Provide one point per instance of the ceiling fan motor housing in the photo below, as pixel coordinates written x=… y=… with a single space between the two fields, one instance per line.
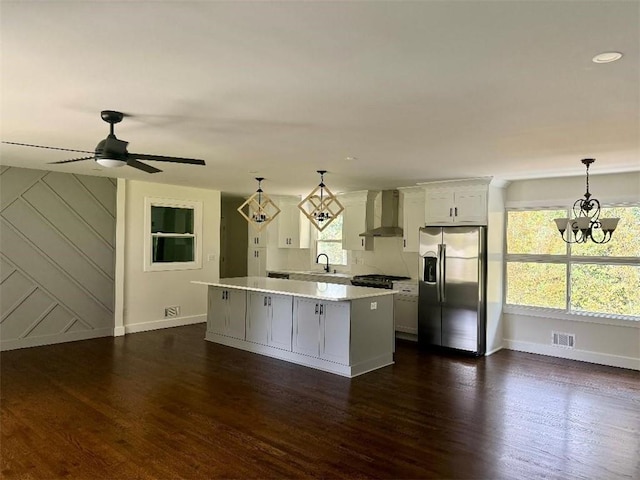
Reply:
x=111 y=152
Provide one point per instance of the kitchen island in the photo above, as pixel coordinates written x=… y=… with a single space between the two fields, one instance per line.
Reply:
x=340 y=329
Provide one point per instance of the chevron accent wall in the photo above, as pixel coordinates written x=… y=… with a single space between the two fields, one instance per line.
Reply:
x=57 y=257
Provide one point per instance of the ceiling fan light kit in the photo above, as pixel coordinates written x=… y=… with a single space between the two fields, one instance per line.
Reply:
x=112 y=152
x=261 y=209
x=586 y=224
x=321 y=206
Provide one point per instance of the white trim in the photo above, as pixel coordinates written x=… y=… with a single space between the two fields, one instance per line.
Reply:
x=551 y=313
x=54 y=339
x=196 y=206
x=573 y=354
x=165 y=323
x=566 y=203
x=121 y=204
x=495 y=350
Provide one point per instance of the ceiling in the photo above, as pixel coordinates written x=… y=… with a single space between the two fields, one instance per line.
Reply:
x=415 y=91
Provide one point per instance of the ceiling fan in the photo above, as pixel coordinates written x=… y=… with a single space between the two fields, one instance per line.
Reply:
x=112 y=152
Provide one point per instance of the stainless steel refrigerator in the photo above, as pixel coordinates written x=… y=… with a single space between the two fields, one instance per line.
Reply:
x=452 y=288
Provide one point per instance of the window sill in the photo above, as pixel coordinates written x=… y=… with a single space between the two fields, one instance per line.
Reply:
x=601 y=319
x=172 y=266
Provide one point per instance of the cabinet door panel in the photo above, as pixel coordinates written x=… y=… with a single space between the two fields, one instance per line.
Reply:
x=471 y=207
x=335 y=332
x=353 y=224
x=257 y=318
x=289 y=226
x=217 y=311
x=281 y=317
x=257 y=262
x=413 y=220
x=405 y=314
x=439 y=207
x=306 y=327
x=237 y=308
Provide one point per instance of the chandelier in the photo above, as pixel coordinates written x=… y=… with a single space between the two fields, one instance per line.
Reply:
x=261 y=209
x=321 y=206
x=586 y=223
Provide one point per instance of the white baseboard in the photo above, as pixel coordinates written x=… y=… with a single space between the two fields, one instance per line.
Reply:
x=574 y=354
x=491 y=352
x=119 y=331
x=164 y=323
x=54 y=339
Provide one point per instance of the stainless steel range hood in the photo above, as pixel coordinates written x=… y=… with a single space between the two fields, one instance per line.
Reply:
x=389 y=217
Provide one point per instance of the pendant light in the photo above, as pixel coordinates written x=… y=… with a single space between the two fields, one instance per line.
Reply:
x=321 y=206
x=586 y=224
x=261 y=209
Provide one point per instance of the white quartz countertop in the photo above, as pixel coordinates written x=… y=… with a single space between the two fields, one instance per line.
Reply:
x=318 y=290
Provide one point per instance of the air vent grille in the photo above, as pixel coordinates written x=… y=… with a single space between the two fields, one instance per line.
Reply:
x=566 y=340
x=171 y=312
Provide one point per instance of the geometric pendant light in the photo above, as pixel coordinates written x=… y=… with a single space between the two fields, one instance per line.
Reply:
x=261 y=209
x=321 y=206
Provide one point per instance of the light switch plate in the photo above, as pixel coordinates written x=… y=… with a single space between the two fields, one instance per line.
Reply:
x=374 y=305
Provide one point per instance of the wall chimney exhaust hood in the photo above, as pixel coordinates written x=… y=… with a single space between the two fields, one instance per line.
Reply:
x=389 y=217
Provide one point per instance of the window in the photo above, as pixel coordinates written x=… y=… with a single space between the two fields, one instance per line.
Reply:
x=542 y=271
x=173 y=231
x=330 y=242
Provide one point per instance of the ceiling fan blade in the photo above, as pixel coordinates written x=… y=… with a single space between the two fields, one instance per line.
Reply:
x=161 y=158
x=72 y=160
x=42 y=146
x=142 y=166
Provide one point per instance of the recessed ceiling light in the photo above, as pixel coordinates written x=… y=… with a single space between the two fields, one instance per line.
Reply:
x=607 y=57
x=350 y=159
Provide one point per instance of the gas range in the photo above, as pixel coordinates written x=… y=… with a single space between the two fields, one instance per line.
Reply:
x=376 y=280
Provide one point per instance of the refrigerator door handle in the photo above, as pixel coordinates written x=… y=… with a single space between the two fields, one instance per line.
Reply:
x=439 y=274
x=443 y=269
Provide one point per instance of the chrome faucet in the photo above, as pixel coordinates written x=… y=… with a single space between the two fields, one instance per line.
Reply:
x=326 y=268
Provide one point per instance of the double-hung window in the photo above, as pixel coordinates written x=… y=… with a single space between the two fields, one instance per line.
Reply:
x=544 y=272
x=330 y=242
x=173 y=231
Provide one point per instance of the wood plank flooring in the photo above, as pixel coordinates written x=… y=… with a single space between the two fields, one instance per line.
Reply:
x=167 y=404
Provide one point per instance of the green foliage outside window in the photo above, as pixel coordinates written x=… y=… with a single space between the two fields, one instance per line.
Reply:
x=330 y=242
x=537 y=284
x=603 y=279
x=613 y=289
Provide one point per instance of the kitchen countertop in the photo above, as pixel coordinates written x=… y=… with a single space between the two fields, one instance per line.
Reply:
x=318 y=290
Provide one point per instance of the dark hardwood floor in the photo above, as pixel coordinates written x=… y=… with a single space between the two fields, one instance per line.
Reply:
x=167 y=404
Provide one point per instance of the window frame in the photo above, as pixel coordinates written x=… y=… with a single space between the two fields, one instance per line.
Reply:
x=149 y=265
x=568 y=260
x=344 y=262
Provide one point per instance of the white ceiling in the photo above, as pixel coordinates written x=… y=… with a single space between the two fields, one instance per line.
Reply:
x=416 y=91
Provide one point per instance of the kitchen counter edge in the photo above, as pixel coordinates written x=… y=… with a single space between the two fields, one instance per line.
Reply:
x=317 y=290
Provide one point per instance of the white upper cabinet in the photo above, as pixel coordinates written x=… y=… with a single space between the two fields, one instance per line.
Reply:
x=461 y=203
x=293 y=227
x=413 y=217
x=356 y=219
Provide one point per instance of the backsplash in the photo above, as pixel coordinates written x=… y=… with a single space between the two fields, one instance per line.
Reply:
x=387 y=257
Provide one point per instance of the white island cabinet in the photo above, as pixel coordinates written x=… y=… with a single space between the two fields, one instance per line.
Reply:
x=340 y=329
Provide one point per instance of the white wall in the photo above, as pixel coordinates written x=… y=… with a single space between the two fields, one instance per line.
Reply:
x=146 y=294
x=495 y=268
x=598 y=340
